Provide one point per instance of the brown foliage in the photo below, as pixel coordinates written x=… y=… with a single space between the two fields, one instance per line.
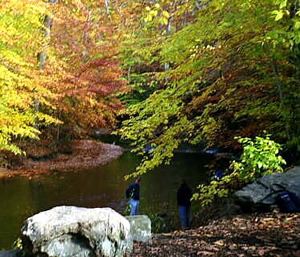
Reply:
x=269 y=234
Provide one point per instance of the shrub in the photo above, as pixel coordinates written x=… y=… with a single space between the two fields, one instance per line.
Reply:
x=260 y=157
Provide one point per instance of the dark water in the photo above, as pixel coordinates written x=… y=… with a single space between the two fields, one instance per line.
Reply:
x=98 y=187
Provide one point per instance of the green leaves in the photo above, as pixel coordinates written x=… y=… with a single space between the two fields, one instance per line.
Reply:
x=228 y=69
x=157 y=12
x=278 y=14
x=260 y=157
x=216 y=189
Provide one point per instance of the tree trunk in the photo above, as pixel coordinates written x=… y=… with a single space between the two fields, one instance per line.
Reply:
x=42 y=56
x=47 y=33
x=168 y=31
x=107 y=6
x=279 y=88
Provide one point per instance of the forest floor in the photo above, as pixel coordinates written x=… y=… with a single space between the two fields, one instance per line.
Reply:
x=82 y=154
x=264 y=234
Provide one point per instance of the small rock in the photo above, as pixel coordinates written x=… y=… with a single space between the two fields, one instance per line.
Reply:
x=140 y=228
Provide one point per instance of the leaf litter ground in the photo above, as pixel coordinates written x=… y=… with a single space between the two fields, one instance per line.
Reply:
x=264 y=234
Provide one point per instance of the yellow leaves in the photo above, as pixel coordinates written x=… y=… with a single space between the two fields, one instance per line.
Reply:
x=4 y=144
x=20 y=83
x=30 y=11
x=166 y=14
x=157 y=12
x=164 y=21
x=11 y=58
x=20 y=25
x=48 y=119
x=151 y=14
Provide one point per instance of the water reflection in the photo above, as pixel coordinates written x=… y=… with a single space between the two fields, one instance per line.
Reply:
x=99 y=187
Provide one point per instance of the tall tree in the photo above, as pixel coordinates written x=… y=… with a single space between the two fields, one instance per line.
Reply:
x=20 y=82
x=84 y=39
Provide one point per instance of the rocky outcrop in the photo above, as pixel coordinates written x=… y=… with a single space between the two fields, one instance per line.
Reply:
x=261 y=193
x=140 y=228
x=74 y=231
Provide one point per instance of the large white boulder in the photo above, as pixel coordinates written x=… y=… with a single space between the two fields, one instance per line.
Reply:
x=74 y=231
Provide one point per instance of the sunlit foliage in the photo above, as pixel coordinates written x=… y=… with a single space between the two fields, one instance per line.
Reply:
x=233 y=70
x=260 y=157
x=84 y=38
x=20 y=84
x=58 y=61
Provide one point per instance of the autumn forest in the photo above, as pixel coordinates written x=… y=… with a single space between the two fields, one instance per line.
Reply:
x=158 y=73
x=161 y=77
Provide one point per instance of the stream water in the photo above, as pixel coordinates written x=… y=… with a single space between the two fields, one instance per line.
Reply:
x=103 y=186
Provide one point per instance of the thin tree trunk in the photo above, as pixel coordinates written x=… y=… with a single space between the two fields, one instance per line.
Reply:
x=47 y=33
x=279 y=88
x=277 y=80
x=129 y=74
x=42 y=56
x=168 y=31
x=85 y=52
x=89 y=18
x=107 y=6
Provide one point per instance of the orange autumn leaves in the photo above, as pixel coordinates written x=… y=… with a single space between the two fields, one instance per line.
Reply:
x=77 y=86
x=84 y=38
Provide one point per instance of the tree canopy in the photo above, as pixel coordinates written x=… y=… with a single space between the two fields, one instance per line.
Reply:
x=195 y=72
x=20 y=79
x=233 y=70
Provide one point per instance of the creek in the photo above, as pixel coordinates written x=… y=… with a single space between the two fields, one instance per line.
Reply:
x=103 y=186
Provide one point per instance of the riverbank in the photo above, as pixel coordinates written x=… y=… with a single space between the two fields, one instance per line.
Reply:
x=83 y=154
x=264 y=234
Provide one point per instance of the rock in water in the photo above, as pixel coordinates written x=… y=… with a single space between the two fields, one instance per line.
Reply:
x=140 y=228
x=261 y=193
x=74 y=231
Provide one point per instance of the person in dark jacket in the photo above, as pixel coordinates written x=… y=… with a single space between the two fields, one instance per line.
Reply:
x=184 y=195
x=133 y=194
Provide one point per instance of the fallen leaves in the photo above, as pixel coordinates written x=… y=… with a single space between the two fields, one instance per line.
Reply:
x=85 y=154
x=269 y=234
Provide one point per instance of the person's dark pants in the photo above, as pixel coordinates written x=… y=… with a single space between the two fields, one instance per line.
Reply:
x=185 y=215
